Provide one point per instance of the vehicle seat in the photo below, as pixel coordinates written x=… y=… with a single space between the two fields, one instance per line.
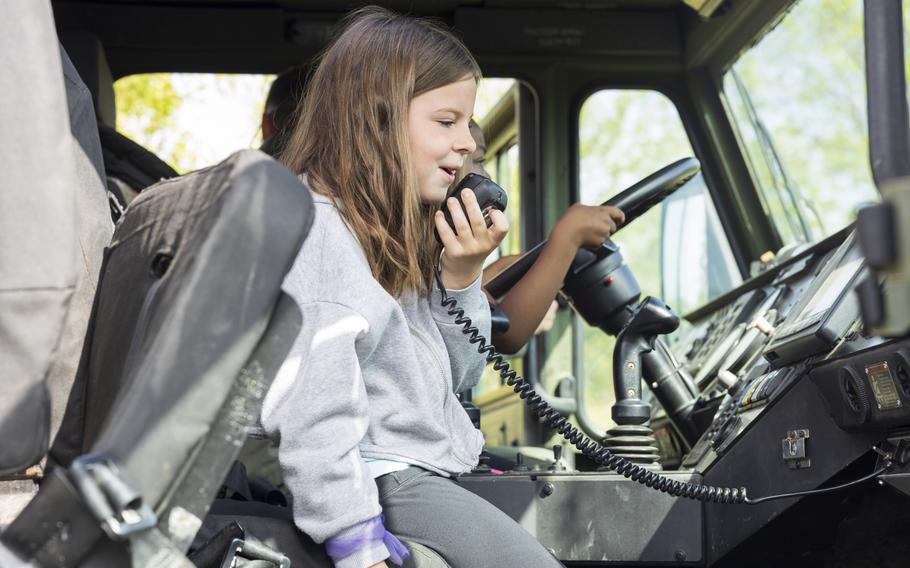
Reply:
x=55 y=231
x=261 y=511
x=38 y=236
x=94 y=234
x=129 y=167
x=189 y=327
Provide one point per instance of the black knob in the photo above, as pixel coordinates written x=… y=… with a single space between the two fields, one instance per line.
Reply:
x=520 y=463
x=652 y=317
x=473 y=412
x=483 y=465
x=499 y=321
x=871 y=301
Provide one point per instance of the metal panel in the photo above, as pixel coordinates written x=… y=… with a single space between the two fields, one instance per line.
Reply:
x=598 y=516
x=567 y=31
x=754 y=461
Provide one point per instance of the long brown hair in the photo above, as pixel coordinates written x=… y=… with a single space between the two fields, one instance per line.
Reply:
x=352 y=137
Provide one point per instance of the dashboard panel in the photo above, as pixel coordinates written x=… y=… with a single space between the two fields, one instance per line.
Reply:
x=790 y=393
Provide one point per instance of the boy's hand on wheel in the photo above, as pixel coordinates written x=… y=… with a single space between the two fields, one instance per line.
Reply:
x=588 y=226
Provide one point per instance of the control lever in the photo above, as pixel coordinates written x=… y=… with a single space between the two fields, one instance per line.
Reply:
x=633 y=438
x=520 y=465
x=558 y=464
x=651 y=318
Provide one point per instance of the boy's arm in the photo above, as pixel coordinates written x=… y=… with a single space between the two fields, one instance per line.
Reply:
x=527 y=302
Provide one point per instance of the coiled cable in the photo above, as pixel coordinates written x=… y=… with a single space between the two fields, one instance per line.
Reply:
x=594 y=451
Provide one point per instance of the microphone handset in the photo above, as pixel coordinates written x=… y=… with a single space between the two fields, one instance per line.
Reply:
x=489 y=196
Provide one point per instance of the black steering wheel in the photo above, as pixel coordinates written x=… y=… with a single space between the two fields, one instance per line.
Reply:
x=634 y=201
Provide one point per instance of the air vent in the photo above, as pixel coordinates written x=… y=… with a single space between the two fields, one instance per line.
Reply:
x=855 y=394
x=902 y=373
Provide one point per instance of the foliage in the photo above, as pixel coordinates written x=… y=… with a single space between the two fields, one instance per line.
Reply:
x=807 y=81
x=191 y=120
x=146 y=109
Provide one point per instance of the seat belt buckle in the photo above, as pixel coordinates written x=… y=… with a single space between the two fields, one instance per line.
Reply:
x=250 y=548
x=111 y=498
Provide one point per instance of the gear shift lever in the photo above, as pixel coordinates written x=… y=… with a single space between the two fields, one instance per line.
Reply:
x=632 y=438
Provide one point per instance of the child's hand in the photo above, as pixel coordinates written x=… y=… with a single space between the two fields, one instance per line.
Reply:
x=587 y=226
x=463 y=253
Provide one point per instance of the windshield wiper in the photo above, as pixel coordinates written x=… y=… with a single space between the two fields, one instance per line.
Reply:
x=782 y=182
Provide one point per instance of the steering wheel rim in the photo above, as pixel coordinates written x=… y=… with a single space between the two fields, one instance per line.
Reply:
x=634 y=201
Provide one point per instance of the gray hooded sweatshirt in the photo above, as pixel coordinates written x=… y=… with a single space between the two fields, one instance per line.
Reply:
x=369 y=376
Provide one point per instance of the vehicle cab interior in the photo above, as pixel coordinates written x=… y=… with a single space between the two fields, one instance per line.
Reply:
x=726 y=381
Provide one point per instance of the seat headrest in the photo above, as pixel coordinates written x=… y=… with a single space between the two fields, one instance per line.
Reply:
x=87 y=54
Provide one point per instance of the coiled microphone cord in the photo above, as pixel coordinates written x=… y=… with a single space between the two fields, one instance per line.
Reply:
x=595 y=451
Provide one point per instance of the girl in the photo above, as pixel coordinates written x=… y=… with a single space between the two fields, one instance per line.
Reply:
x=364 y=406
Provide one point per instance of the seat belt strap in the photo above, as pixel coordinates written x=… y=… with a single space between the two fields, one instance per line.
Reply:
x=96 y=501
x=151 y=549
x=55 y=529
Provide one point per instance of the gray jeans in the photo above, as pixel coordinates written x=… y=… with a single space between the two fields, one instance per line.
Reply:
x=466 y=530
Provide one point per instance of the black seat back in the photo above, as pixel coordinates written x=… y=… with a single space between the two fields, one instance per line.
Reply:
x=189 y=284
x=189 y=326
x=126 y=162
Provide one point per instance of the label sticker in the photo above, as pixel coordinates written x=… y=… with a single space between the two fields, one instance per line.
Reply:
x=883 y=386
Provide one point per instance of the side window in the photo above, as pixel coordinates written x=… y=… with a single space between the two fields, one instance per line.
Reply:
x=696 y=263
x=505 y=166
x=678 y=250
x=496 y=113
x=181 y=117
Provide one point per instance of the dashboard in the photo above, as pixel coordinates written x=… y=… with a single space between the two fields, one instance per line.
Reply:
x=789 y=394
x=749 y=352
x=793 y=389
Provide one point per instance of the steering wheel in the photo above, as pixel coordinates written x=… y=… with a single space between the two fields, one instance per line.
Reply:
x=634 y=201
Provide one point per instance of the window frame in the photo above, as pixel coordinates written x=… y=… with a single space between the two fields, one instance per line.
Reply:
x=701 y=143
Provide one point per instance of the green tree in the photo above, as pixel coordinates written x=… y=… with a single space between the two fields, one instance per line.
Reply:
x=146 y=108
x=806 y=79
x=192 y=120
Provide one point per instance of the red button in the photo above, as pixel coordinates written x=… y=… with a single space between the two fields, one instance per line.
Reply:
x=608 y=280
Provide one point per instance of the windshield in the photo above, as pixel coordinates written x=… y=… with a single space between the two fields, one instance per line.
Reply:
x=798 y=101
